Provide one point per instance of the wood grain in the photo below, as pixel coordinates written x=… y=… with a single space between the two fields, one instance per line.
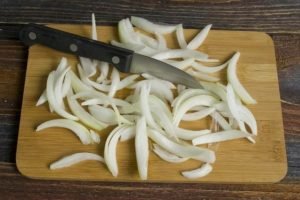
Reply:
x=246 y=163
x=271 y=16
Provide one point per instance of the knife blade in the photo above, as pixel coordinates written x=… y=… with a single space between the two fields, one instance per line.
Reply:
x=124 y=60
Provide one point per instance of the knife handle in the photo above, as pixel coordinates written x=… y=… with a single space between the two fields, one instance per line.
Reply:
x=32 y=34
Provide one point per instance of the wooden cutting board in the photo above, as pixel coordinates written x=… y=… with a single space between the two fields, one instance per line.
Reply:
x=237 y=161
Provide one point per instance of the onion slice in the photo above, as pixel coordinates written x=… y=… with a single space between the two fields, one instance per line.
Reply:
x=204 y=170
x=167 y=156
x=52 y=99
x=197 y=153
x=220 y=137
x=110 y=156
x=202 y=76
x=141 y=148
x=83 y=115
x=81 y=132
x=180 y=36
x=75 y=158
x=103 y=114
x=180 y=53
x=186 y=134
x=150 y=27
x=198 y=115
x=234 y=81
x=199 y=38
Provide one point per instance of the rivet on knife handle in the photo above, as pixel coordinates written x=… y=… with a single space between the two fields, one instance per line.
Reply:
x=70 y=43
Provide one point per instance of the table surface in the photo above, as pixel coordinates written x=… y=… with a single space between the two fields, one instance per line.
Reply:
x=281 y=19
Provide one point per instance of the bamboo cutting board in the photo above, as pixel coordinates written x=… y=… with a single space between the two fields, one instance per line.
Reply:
x=237 y=161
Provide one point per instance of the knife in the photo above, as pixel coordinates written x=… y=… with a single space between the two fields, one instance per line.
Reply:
x=124 y=60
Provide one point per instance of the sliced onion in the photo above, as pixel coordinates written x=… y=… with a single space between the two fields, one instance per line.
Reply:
x=183 y=65
x=186 y=134
x=157 y=87
x=88 y=66
x=202 y=76
x=200 y=100
x=60 y=68
x=75 y=158
x=131 y=46
x=83 y=115
x=128 y=133
x=103 y=114
x=141 y=148
x=66 y=85
x=52 y=99
x=110 y=149
x=150 y=27
x=204 y=170
x=180 y=53
x=180 y=88
x=247 y=117
x=209 y=70
x=197 y=153
x=42 y=99
x=104 y=68
x=102 y=101
x=167 y=83
x=82 y=133
x=94 y=28
x=77 y=84
x=95 y=137
x=231 y=102
x=234 y=81
x=164 y=121
x=148 y=41
x=180 y=36
x=220 y=137
x=221 y=121
x=199 y=38
x=198 y=115
x=162 y=106
x=162 y=43
x=144 y=106
x=115 y=79
x=125 y=35
x=167 y=156
x=215 y=88
x=58 y=88
x=185 y=95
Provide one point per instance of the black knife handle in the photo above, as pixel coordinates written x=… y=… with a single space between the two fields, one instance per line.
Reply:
x=32 y=34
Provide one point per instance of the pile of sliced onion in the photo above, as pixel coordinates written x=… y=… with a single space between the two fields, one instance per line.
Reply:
x=151 y=113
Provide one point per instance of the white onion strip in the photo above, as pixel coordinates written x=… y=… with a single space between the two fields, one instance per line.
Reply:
x=75 y=158
x=180 y=36
x=167 y=156
x=220 y=137
x=52 y=99
x=110 y=156
x=199 y=38
x=198 y=115
x=202 y=76
x=83 y=115
x=186 y=134
x=141 y=148
x=181 y=53
x=81 y=132
x=180 y=150
x=234 y=81
x=150 y=27
x=204 y=170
